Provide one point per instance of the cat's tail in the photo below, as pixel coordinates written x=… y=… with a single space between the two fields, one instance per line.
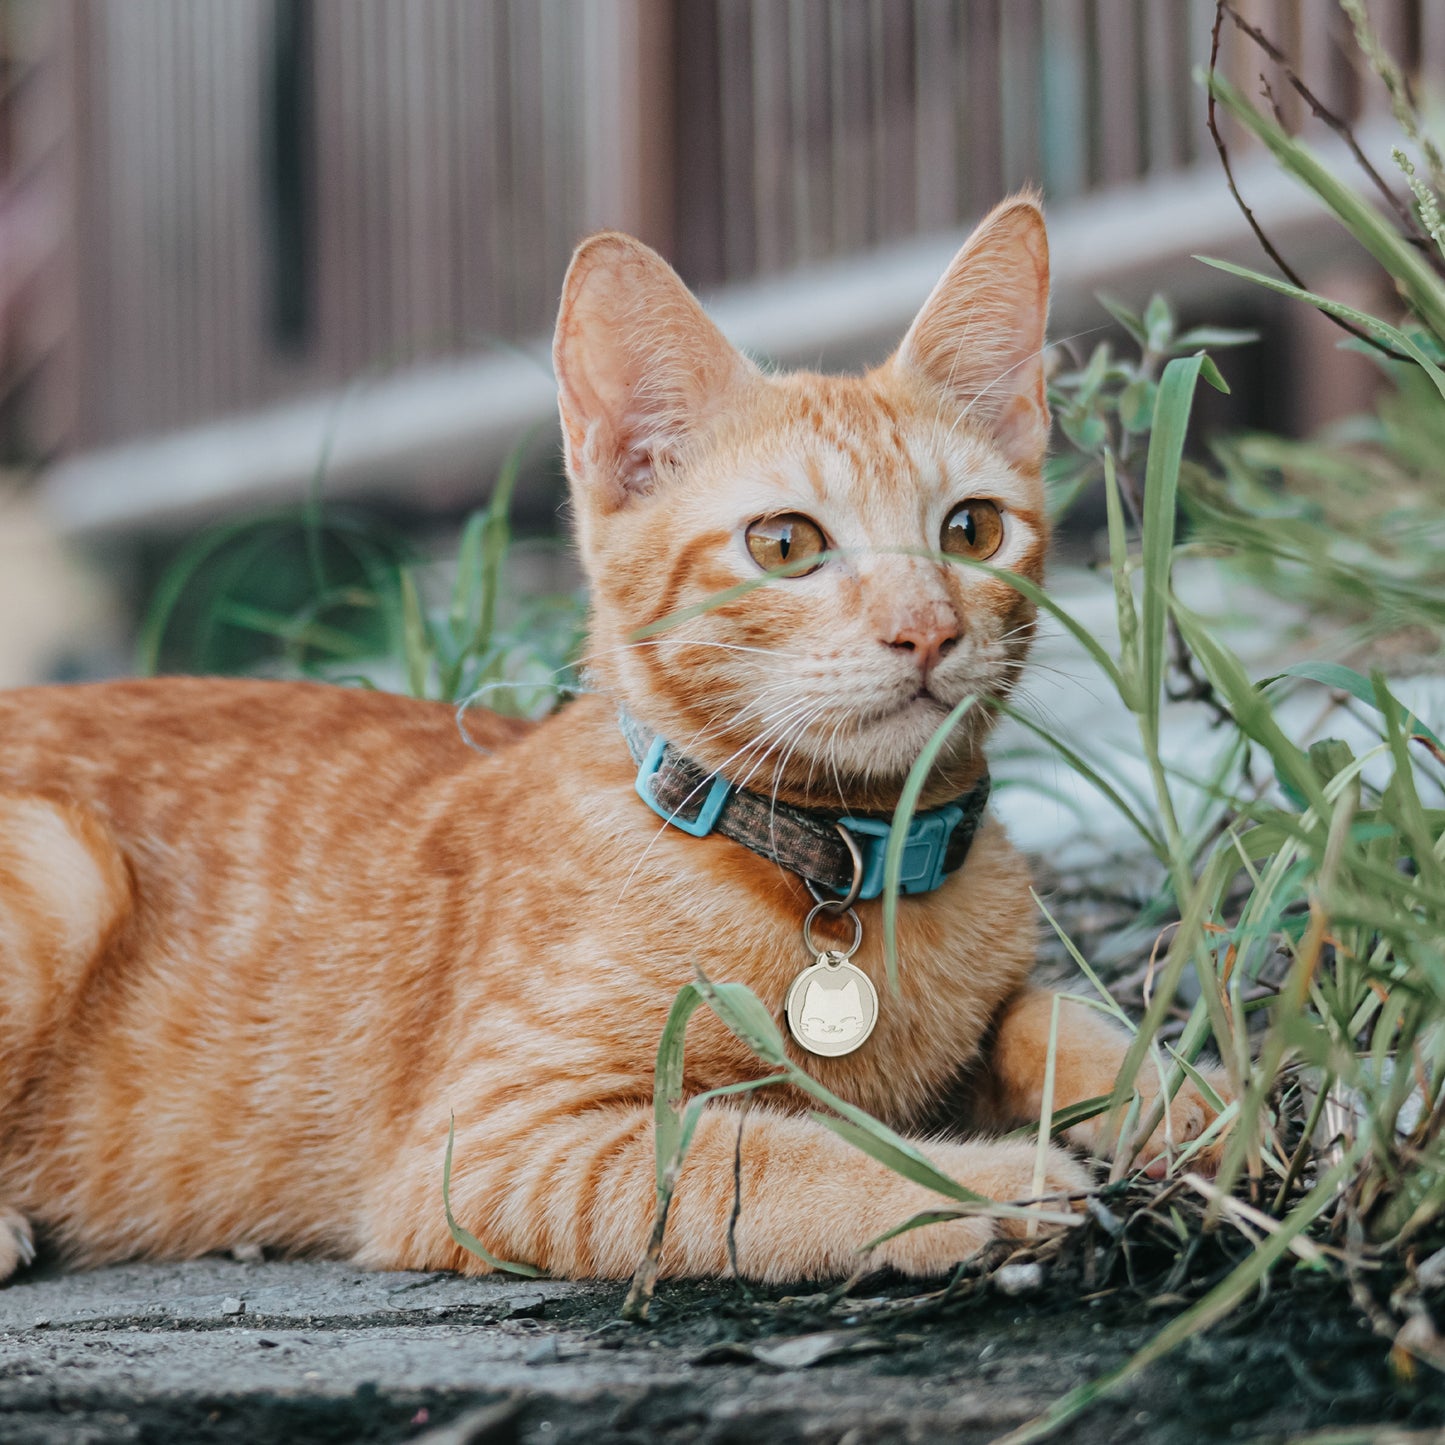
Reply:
x=65 y=889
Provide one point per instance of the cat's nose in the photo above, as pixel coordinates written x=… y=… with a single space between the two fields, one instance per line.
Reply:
x=929 y=642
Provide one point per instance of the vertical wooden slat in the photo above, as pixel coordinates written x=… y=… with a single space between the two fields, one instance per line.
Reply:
x=772 y=189
x=1117 y=40
x=895 y=133
x=698 y=170
x=1163 y=141
x=734 y=40
x=470 y=151
x=812 y=120
x=936 y=115
x=852 y=151
x=1063 y=122
x=982 y=128
x=40 y=192
x=1019 y=69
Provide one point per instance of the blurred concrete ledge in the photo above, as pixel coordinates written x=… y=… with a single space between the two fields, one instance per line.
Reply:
x=435 y=434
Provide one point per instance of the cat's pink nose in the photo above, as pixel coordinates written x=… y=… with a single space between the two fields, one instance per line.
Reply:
x=929 y=643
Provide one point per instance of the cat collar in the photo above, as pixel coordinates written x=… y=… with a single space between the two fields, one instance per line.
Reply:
x=836 y=853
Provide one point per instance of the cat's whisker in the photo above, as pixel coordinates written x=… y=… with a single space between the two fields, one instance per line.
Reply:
x=747 y=748
x=1003 y=376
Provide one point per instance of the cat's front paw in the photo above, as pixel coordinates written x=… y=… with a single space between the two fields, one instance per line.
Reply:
x=1003 y=1171
x=17 y=1243
x=1189 y=1115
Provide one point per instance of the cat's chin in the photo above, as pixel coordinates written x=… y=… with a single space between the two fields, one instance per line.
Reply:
x=866 y=767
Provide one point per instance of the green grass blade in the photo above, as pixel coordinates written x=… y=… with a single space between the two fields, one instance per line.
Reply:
x=1161 y=504
x=667 y=1077
x=1382 y=329
x=1123 y=590
x=1374 y=231
x=1223 y=1298
x=745 y=1014
x=1337 y=676
x=465 y=1237
x=417 y=649
x=1081 y=767
x=898 y=833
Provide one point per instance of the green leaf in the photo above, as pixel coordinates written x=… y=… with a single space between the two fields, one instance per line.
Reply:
x=888 y=1149
x=746 y=1015
x=1213 y=337
x=1161 y=493
x=1382 y=329
x=1126 y=318
x=465 y=1237
x=667 y=1078
x=1136 y=405
x=416 y=640
x=1345 y=679
x=898 y=833
x=1086 y=429
x=1159 y=323
x=1211 y=373
x=1330 y=756
x=1377 y=234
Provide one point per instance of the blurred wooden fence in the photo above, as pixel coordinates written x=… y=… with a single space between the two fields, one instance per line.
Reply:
x=206 y=205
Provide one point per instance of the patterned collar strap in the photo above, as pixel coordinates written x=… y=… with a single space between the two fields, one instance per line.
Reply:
x=803 y=841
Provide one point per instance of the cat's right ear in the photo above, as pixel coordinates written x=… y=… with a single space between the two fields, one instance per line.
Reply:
x=640 y=367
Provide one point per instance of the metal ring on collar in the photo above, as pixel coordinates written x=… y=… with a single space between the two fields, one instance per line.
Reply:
x=827 y=907
x=841 y=905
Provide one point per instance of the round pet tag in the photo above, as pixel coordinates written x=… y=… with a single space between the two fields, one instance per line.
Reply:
x=832 y=1006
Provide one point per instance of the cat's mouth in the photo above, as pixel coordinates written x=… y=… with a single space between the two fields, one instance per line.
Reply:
x=891 y=712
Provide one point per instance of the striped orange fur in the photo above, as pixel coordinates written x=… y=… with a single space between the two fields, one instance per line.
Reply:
x=259 y=941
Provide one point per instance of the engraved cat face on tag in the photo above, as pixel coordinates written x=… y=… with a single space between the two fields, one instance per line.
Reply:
x=831 y=1015
x=831 y=1007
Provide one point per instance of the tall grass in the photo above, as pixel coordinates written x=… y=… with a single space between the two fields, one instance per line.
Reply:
x=1333 y=1148
x=1329 y=858
x=325 y=592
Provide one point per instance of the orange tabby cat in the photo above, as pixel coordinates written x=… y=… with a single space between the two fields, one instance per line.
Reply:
x=259 y=940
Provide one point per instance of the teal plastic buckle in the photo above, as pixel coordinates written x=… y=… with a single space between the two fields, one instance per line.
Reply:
x=712 y=804
x=924 y=850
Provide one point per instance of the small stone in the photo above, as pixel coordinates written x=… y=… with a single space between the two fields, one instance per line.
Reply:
x=1014 y=1280
x=524 y=1307
x=233 y=1306
x=1431 y=1272
x=43 y=1323
x=544 y=1354
x=248 y=1253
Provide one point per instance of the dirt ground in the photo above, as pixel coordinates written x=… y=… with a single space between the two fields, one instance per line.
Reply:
x=217 y=1351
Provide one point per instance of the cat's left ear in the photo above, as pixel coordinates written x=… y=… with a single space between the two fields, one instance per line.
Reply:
x=640 y=367
x=980 y=335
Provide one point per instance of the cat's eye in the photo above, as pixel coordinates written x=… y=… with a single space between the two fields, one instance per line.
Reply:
x=973 y=529
x=790 y=540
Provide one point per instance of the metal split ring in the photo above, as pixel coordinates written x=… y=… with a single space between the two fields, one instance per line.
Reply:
x=828 y=906
x=846 y=902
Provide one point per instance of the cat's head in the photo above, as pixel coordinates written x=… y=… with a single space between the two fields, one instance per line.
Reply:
x=693 y=471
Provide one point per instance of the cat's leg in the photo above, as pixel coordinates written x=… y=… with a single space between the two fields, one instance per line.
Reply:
x=1089 y=1052
x=17 y=1243
x=576 y=1195
x=64 y=890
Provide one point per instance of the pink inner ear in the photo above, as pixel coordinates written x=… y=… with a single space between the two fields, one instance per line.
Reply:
x=1022 y=431
x=639 y=367
x=980 y=335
